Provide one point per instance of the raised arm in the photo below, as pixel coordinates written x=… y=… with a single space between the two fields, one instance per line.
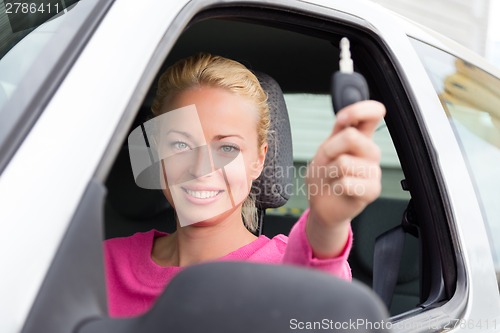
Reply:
x=343 y=177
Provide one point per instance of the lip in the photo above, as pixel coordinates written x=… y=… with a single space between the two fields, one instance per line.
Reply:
x=201 y=196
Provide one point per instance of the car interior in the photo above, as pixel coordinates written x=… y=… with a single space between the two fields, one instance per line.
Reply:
x=403 y=247
x=301 y=53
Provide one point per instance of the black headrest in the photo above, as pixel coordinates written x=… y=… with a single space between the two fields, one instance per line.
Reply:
x=272 y=189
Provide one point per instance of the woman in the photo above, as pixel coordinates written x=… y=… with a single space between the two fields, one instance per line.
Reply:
x=212 y=142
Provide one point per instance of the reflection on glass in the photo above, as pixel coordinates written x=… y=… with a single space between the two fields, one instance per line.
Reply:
x=26 y=28
x=471 y=99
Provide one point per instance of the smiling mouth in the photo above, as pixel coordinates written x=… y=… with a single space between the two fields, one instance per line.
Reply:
x=202 y=194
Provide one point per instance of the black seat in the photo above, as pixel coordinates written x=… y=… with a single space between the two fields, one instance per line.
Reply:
x=130 y=208
x=378 y=217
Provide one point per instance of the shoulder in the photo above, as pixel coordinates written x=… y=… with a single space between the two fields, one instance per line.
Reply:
x=130 y=244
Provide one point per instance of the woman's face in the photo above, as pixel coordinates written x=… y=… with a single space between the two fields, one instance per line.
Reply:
x=209 y=152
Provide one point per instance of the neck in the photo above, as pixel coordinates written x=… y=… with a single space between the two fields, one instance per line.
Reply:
x=202 y=241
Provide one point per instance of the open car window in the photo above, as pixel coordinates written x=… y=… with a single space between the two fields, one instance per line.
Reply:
x=243 y=33
x=311 y=119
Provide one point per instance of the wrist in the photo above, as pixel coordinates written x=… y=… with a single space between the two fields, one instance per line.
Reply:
x=327 y=238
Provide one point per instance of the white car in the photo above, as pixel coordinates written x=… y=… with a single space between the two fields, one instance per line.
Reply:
x=76 y=79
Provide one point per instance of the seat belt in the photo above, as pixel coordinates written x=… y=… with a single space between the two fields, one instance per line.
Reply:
x=387 y=256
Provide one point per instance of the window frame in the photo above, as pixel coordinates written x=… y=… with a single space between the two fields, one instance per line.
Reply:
x=411 y=140
x=422 y=48
x=46 y=74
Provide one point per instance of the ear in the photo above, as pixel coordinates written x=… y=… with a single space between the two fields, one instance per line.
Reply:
x=259 y=164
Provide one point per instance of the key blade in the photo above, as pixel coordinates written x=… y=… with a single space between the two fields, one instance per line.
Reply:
x=345 y=63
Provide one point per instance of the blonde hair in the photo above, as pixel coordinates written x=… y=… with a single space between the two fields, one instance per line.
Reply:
x=219 y=72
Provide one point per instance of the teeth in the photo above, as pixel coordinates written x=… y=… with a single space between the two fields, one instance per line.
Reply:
x=202 y=194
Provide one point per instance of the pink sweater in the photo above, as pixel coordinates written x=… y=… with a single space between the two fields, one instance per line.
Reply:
x=134 y=280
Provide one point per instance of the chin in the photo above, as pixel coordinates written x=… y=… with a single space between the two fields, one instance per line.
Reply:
x=204 y=221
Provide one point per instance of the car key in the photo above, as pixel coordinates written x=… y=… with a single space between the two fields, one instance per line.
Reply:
x=348 y=87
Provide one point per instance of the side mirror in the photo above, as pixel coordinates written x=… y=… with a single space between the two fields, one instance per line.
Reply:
x=248 y=297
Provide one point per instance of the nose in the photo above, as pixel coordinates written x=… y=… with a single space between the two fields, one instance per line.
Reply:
x=202 y=164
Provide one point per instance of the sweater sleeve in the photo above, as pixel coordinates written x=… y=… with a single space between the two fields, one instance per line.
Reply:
x=299 y=252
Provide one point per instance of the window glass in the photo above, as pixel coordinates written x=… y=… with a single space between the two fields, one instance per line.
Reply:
x=311 y=121
x=25 y=29
x=38 y=44
x=471 y=99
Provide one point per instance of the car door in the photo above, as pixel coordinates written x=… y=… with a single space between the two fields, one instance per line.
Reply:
x=81 y=130
x=61 y=119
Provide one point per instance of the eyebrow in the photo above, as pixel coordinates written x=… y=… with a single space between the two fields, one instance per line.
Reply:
x=220 y=137
x=186 y=134
x=217 y=137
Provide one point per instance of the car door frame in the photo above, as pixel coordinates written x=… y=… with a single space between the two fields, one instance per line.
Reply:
x=98 y=153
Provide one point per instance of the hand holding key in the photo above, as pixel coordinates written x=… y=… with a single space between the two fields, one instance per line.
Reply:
x=348 y=87
x=344 y=175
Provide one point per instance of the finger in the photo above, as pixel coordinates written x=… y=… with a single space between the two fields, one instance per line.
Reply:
x=348 y=141
x=365 y=116
x=345 y=166
x=352 y=166
x=360 y=189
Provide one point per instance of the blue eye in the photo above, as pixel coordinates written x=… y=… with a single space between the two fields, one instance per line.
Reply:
x=229 y=149
x=179 y=145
